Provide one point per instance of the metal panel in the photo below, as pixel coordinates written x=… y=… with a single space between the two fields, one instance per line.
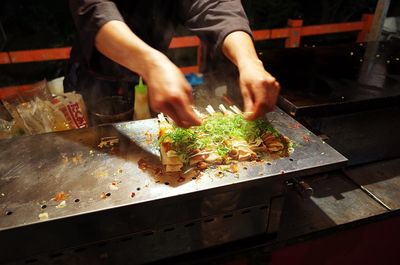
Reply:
x=147 y=246
x=107 y=195
x=381 y=179
x=336 y=201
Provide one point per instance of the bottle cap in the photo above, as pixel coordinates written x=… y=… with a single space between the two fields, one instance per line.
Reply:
x=140 y=88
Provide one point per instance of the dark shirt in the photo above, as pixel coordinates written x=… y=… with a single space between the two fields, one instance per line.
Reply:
x=154 y=22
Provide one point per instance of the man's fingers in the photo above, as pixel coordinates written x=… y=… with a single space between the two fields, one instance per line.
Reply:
x=265 y=98
x=170 y=112
x=272 y=95
x=260 y=108
x=248 y=100
x=187 y=116
x=277 y=85
x=185 y=112
x=182 y=115
x=189 y=90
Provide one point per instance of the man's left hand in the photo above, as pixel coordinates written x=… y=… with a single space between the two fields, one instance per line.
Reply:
x=259 y=89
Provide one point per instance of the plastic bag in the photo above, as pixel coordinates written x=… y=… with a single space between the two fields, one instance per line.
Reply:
x=41 y=116
x=36 y=111
x=6 y=129
x=74 y=109
x=10 y=104
x=28 y=109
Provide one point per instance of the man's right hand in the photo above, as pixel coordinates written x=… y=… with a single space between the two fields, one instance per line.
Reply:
x=169 y=91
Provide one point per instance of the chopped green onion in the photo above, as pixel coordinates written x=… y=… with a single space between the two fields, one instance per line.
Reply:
x=216 y=133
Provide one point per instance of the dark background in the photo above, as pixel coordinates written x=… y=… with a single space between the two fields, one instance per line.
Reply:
x=35 y=24
x=31 y=24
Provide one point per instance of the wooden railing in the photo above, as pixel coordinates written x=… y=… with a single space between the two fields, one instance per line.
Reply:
x=292 y=34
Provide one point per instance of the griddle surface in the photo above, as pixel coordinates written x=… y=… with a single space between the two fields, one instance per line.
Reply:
x=34 y=169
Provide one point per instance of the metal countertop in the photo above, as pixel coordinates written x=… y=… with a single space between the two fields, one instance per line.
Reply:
x=35 y=169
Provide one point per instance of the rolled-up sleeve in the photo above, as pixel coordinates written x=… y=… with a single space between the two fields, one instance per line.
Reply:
x=213 y=20
x=89 y=16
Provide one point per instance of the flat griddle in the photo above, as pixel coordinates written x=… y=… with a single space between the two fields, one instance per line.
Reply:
x=103 y=180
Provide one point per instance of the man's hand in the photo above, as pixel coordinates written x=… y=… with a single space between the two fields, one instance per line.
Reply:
x=259 y=89
x=169 y=92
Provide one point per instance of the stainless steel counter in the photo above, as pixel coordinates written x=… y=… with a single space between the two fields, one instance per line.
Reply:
x=78 y=187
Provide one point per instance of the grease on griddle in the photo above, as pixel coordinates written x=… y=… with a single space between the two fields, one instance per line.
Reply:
x=306 y=138
x=108 y=141
x=158 y=172
x=61 y=196
x=232 y=168
x=113 y=186
x=74 y=158
x=160 y=176
x=149 y=137
x=202 y=165
x=181 y=179
x=294 y=125
x=101 y=173
x=142 y=164
x=64 y=159
x=77 y=158
x=114 y=151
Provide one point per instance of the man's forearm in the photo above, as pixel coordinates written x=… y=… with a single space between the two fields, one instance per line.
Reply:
x=168 y=90
x=258 y=87
x=239 y=48
x=116 y=41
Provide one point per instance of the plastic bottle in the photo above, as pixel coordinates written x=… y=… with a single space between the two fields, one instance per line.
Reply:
x=141 y=109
